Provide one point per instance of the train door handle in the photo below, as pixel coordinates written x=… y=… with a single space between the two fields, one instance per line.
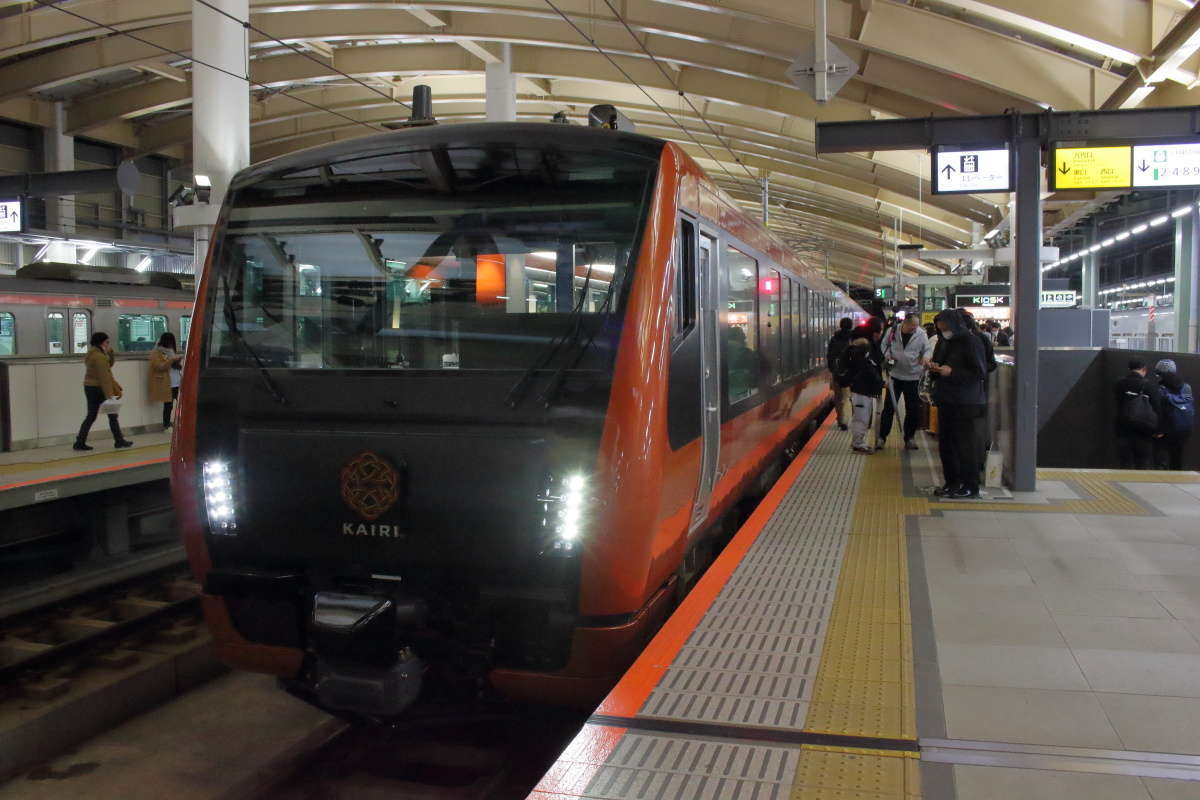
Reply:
x=713 y=409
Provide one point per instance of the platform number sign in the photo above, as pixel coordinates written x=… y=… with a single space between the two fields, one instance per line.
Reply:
x=10 y=216
x=971 y=170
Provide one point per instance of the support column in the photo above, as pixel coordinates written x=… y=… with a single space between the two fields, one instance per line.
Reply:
x=58 y=151
x=1187 y=296
x=1027 y=292
x=220 y=106
x=1091 y=271
x=501 y=89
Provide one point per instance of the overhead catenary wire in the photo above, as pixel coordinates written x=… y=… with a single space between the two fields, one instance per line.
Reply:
x=639 y=87
x=248 y=25
x=194 y=60
x=675 y=85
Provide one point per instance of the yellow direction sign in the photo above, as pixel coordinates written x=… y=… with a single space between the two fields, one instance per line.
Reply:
x=1092 y=167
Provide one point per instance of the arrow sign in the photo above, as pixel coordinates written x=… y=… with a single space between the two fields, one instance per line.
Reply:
x=1143 y=166
x=949 y=170
x=1064 y=169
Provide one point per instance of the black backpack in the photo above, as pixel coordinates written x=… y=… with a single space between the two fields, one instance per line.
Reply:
x=1137 y=412
x=1178 y=410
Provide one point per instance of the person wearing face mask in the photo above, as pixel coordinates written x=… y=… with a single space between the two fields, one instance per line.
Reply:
x=904 y=347
x=959 y=369
x=99 y=385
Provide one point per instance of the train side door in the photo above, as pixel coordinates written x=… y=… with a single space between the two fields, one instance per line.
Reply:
x=56 y=332
x=710 y=382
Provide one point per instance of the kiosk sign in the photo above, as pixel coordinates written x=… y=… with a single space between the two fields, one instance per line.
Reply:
x=10 y=216
x=1157 y=165
x=981 y=300
x=971 y=171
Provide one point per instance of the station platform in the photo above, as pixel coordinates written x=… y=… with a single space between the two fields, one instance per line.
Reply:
x=860 y=639
x=51 y=473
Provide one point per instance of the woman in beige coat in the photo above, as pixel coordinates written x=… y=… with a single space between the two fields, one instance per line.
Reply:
x=100 y=385
x=164 y=375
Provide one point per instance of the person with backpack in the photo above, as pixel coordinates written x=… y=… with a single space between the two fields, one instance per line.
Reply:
x=864 y=367
x=1138 y=401
x=838 y=380
x=1176 y=418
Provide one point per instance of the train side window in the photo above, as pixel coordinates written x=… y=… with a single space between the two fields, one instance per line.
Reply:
x=185 y=330
x=8 y=334
x=740 y=330
x=56 y=332
x=769 y=316
x=685 y=279
x=81 y=331
x=785 y=328
x=137 y=333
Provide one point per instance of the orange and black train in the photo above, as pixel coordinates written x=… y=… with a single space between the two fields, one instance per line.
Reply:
x=470 y=406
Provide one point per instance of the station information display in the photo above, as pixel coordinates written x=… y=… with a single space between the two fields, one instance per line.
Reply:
x=10 y=216
x=1092 y=167
x=971 y=171
x=1156 y=165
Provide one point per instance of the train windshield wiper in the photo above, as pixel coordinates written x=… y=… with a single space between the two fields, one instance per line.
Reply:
x=232 y=323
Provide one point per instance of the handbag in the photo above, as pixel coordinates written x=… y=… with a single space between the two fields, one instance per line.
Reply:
x=111 y=406
x=1138 y=414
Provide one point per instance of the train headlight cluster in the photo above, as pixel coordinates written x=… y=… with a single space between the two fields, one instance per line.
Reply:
x=565 y=503
x=218 y=497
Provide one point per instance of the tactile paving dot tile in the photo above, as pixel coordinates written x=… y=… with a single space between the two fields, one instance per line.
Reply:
x=654 y=766
x=839 y=772
x=753 y=657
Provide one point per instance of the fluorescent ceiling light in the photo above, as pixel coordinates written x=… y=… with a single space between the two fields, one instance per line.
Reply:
x=144 y=264
x=544 y=254
x=1094 y=248
x=1181 y=212
x=89 y=255
x=202 y=181
x=1140 y=229
x=1163 y=220
x=1122 y=236
x=1107 y=243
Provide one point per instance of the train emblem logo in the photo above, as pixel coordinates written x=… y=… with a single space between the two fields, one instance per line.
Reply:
x=370 y=485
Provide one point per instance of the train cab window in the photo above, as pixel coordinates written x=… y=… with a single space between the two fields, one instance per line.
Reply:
x=496 y=258
x=185 y=330
x=56 y=332
x=8 y=334
x=81 y=331
x=770 y=316
x=685 y=278
x=740 y=328
x=138 y=333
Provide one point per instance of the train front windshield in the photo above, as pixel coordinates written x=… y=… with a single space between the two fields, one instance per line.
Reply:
x=475 y=258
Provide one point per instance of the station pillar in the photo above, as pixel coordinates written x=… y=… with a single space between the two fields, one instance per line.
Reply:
x=58 y=151
x=500 y=97
x=1091 y=271
x=1027 y=295
x=1187 y=287
x=220 y=110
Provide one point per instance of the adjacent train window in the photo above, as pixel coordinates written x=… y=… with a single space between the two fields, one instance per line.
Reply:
x=139 y=332
x=685 y=278
x=785 y=329
x=56 y=332
x=81 y=331
x=769 y=317
x=740 y=332
x=8 y=334
x=185 y=329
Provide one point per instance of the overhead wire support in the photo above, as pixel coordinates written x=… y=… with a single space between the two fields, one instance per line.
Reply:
x=676 y=87
x=194 y=60
x=642 y=89
x=248 y=25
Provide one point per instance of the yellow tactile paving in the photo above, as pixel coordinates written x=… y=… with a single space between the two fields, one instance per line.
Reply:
x=71 y=464
x=843 y=773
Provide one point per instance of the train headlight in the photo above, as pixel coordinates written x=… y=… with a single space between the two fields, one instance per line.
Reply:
x=565 y=503
x=218 y=498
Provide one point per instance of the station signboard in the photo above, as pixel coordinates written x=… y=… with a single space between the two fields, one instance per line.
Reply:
x=11 y=216
x=971 y=170
x=1104 y=167
x=1166 y=165
x=1058 y=298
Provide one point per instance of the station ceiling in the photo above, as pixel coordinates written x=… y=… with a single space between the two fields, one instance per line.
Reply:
x=707 y=74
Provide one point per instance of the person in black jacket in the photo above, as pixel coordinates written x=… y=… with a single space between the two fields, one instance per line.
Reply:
x=1175 y=423
x=983 y=433
x=833 y=357
x=865 y=363
x=1135 y=442
x=959 y=369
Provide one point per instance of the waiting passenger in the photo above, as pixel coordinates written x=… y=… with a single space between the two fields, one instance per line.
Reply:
x=865 y=377
x=164 y=373
x=833 y=356
x=1138 y=401
x=1003 y=337
x=903 y=355
x=99 y=386
x=959 y=372
x=1177 y=416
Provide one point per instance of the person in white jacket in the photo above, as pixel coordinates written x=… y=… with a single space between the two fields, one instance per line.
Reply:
x=904 y=354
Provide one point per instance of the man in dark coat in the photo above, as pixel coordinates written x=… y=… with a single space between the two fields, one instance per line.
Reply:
x=960 y=369
x=833 y=355
x=865 y=363
x=1135 y=443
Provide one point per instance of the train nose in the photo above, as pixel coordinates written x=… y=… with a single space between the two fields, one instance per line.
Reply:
x=361 y=665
